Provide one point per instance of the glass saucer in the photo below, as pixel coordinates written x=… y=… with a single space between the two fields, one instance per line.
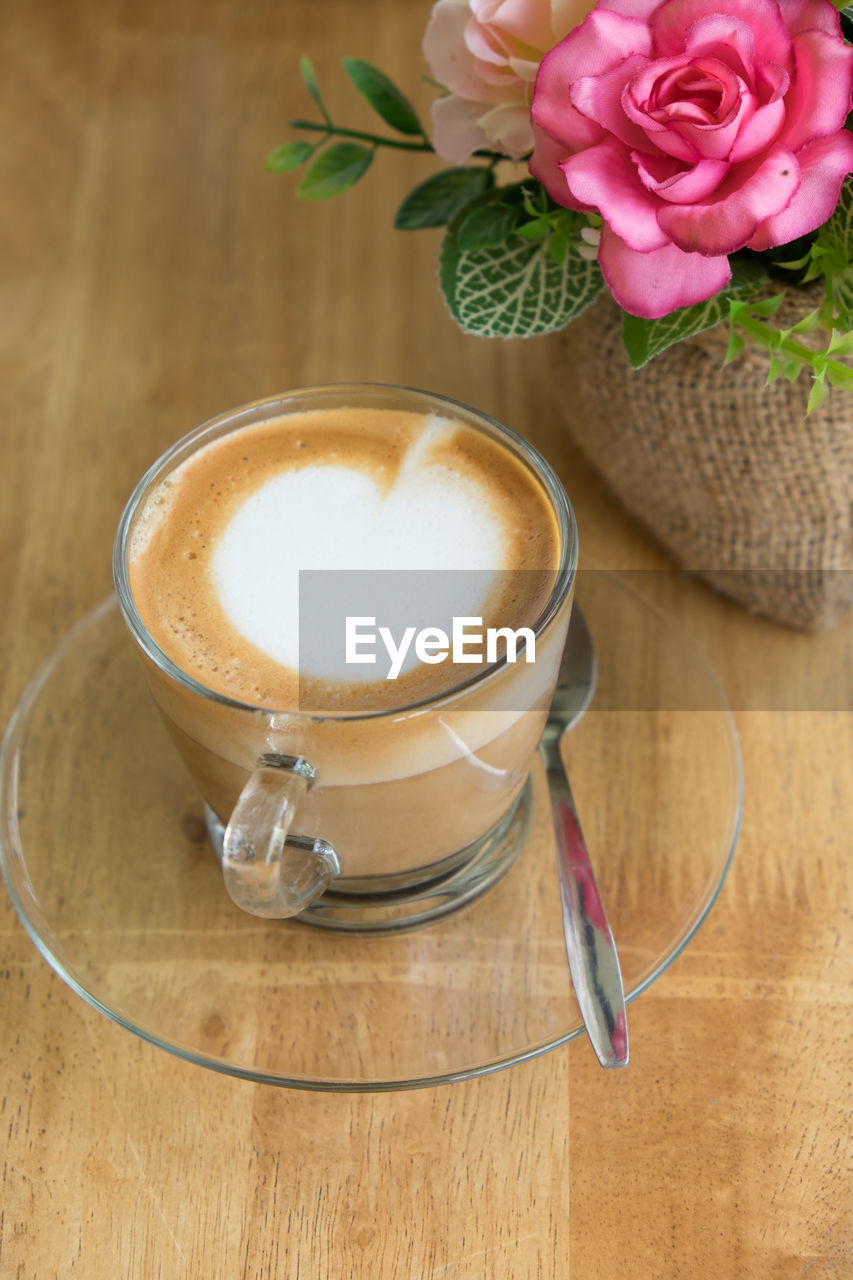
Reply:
x=105 y=853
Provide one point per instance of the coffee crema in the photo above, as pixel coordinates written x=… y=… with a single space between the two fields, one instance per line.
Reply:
x=216 y=550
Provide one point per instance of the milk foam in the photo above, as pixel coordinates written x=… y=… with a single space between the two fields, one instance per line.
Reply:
x=334 y=517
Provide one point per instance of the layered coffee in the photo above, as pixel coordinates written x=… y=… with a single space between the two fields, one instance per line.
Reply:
x=410 y=770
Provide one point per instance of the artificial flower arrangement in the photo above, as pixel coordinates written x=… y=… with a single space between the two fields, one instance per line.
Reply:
x=684 y=154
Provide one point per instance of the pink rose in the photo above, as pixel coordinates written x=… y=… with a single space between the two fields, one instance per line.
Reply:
x=487 y=53
x=695 y=128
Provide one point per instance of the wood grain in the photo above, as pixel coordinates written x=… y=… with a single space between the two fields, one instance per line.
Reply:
x=153 y=274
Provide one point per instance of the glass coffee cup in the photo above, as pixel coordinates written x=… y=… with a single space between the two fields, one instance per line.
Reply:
x=371 y=810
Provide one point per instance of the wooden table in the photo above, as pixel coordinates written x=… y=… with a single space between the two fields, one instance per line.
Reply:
x=153 y=274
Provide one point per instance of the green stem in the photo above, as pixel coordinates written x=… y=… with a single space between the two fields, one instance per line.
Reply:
x=765 y=336
x=333 y=130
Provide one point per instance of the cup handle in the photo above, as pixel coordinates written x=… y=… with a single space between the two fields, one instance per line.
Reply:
x=266 y=871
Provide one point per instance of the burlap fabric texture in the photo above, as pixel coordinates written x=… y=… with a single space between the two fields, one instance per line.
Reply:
x=737 y=483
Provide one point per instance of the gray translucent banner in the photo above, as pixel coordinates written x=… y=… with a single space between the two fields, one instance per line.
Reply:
x=664 y=639
x=759 y=664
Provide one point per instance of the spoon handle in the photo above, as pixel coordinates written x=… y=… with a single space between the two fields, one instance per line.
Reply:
x=593 y=962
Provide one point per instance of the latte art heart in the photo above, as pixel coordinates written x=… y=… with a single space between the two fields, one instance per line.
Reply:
x=333 y=518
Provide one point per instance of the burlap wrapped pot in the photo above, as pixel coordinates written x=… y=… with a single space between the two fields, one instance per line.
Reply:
x=731 y=475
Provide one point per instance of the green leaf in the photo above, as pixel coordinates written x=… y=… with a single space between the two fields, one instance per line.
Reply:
x=434 y=202
x=535 y=230
x=534 y=202
x=289 y=156
x=384 y=96
x=487 y=227
x=306 y=70
x=733 y=350
x=768 y=306
x=558 y=247
x=818 y=393
x=566 y=230
x=797 y=264
x=809 y=323
x=335 y=170
x=776 y=368
x=645 y=339
x=840 y=344
x=515 y=289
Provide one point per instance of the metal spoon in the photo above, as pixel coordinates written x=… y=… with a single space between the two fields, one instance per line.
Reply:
x=593 y=962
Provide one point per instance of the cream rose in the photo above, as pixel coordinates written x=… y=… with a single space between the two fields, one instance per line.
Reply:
x=487 y=53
